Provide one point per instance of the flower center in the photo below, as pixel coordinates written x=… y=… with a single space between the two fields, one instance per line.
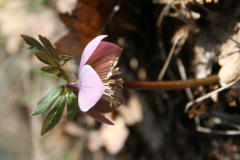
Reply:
x=111 y=84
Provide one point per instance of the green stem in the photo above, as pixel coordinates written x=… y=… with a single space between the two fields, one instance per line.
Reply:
x=170 y=85
x=71 y=77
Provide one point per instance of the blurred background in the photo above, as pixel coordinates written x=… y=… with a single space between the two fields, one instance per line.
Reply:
x=150 y=124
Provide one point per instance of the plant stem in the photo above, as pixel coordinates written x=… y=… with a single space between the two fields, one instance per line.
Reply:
x=71 y=77
x=170 y=85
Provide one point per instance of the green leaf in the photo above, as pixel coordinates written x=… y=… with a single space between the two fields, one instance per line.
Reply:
x=54 y=114
x=33 y=43
x=56 y=71
x=72 y=105
x=65 y=58
x=47 y=99
x=47 y=44
x=34 y=49
x=52 y=69
x=47 y=59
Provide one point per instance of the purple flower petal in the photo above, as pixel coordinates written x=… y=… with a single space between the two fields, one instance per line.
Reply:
x=103 y=106
x=96 y=115
x=104 y=53
x=91 y=88
x=89 y=49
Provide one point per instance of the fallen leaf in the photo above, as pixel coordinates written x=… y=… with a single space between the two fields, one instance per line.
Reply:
x=229 y=59
x=84 y=24
x=132 y=111
x=95 y=141
x=114 y=137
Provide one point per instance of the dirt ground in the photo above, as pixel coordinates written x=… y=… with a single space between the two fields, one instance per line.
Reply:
x=155 y=125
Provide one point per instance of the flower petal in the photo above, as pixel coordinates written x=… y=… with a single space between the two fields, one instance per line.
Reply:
x=91 y=88
x=103 y=106
x=89 y=49
x=96 y=115
x=104 y=53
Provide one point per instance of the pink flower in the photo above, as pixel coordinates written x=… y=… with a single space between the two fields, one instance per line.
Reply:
x=96 y=86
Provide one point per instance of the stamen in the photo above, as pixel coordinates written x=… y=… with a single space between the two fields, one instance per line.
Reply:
x=111 y=92
x=106 y=71
x=115 y=72
x=112 y=81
